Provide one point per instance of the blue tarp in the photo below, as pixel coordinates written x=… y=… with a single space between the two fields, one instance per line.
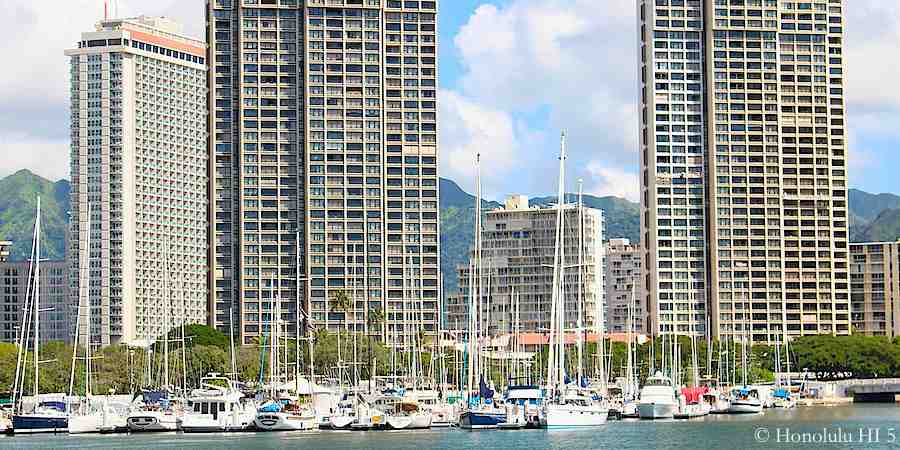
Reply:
x=781 y=393
x=59 y=406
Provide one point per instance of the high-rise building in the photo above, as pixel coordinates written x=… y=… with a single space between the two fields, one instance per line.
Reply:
x=323 y=166
x=518 y=248
x=16 y=284
x=624 y=300
x=875 y=288
x=139 y=168
x=744 y=167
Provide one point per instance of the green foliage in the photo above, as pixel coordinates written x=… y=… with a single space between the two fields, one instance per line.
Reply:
x=17 y=208
x=202 y=335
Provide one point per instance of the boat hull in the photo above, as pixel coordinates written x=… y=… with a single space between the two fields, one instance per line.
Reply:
x=39 y=423
x=479 y=421
x=341 y=422
x=652 y=411
x=400 y=422
x=420 y=421
x=564 y=416
x=282 y=421
x=152 y=421
x=738 y=407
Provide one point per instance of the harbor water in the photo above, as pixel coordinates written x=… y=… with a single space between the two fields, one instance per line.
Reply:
x=840 y=427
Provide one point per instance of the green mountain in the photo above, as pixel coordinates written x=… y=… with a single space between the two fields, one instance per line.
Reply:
x=884 y=228
x=871 y=218
x=457 y=224
x=18 y=201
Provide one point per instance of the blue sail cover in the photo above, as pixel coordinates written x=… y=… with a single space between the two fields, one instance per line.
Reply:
x=781 y=393
x=483 y=389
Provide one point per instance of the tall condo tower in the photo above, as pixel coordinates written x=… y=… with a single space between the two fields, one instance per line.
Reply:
x=744 y=167
x=139 y=167
x=324 y=157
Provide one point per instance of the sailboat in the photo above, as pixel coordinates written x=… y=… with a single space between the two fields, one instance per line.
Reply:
x=47 y=413
x=153 y=410
x=745 y=399
x=566 y=406
x=283 y=411
x=92 y=415
x=479 y=410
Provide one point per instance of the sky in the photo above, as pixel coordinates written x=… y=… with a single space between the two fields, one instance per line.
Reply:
x=513 y=74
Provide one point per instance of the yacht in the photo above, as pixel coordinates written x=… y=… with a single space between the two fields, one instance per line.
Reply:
x=218 y=405
x=745 y=401
x=574 y=409
x=657 y=399
x=481 y=417
x=718 y=403
x=153 y=412
x=285 y=414
x=781 y=398
x=529 y=400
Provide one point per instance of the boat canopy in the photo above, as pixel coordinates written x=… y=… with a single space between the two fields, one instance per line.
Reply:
x=694 y=394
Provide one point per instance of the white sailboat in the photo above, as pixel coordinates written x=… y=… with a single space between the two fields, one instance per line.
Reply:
x=566 y=406
x=746 y=399
x=47 y=413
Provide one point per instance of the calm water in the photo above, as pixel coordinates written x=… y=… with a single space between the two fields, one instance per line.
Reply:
x=858 y=426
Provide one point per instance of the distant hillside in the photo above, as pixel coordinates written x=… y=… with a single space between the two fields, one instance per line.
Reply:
x=623 y=217
x=871 y=218
x=457 y=224
x=885 y=227
x=18 y=199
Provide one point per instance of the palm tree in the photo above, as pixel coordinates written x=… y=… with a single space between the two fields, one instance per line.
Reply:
x=341 y=302
x=374 y=318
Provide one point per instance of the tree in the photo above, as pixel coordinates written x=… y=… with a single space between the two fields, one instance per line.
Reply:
x=375 y=318
x=341 y=302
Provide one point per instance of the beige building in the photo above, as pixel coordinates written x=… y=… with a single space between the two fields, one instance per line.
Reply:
x=324 y=157
x=15 y=286
x=624 y=299
x=139 y=166
x=744 y=167
x=5 y=250
x=875 y=288
x=517 y=256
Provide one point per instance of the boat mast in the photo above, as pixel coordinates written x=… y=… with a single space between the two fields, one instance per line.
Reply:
x=556 y=360
x=36 y=297
x=580 y=279
x=166 y=320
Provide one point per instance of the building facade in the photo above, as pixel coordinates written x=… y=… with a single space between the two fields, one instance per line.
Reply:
x=744 y=167
x=16 y=284
x=139 y=178
x=875 y=288
x=324 y=161
x=518 y=247
x=624 y=299
x=5 y=250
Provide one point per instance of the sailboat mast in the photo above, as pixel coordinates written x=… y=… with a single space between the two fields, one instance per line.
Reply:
x=580 y=279
x=166 y=321
x=36 y=297
x=555 y=369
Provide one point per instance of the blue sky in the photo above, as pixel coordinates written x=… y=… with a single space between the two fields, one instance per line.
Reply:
x=513 y=74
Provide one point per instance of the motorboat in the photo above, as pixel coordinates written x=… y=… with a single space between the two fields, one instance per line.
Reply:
x=718 y=402
x=745 y=400
x=217 y=406
x=152 y=411
x=529 y=399
x=285 y=414
x=657 y=399
x=781 y=398
x=574 y=408
x=691 y=404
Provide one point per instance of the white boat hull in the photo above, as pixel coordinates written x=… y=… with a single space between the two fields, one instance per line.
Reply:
x=341 y=422
x=283 y=421
x=740 y=407
x=420 y=421
x=400 y=422
x=656 y=410
x=565 y=416
x=152 y=421
x=96 y=423
x=206 y=423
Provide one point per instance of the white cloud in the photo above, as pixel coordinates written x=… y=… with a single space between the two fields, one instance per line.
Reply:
x=34 y=128
x=45 y=157
x=613 y=181
x=468 y=129
x=550 y=65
